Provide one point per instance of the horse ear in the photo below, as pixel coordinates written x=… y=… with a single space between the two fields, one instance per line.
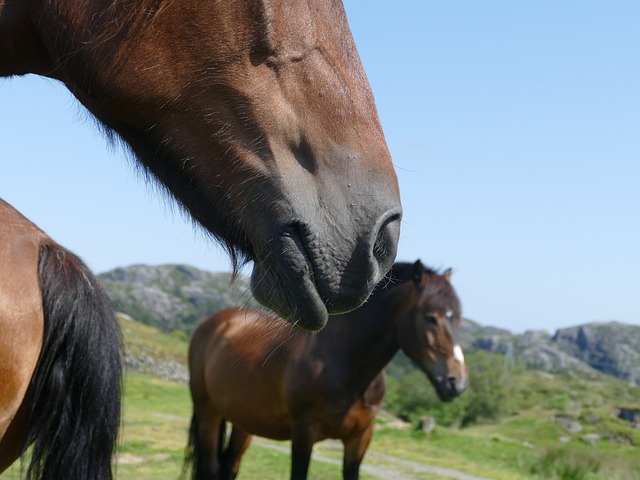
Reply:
x=418 y=268
x=447 y=274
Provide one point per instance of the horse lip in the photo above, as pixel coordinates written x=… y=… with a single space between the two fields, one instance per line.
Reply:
x=444 y=389
x=288 y=287
x=301 y=290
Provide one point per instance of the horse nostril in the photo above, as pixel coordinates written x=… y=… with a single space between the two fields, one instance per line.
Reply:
x=457 y=384
x=386 y=243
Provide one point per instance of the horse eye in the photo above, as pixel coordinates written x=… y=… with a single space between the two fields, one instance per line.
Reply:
x=431 y=320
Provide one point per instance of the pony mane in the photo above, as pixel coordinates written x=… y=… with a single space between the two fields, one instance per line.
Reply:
x=403 y=271
x=441 y=294
x=139 y=146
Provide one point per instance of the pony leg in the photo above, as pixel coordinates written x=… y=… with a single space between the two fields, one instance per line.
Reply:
x=206 y=438
x=301 y=447
x=354 y=450
x=238 y=444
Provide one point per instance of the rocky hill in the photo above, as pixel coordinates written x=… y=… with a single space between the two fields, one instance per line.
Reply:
x=611 y=347
x=173 y=297
x=590 y=349
x=178 y=297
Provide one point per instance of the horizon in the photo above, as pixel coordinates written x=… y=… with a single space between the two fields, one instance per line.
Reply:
x=464 y=317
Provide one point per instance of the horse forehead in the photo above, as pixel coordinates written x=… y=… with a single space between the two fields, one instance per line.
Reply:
x=457 y=353
x=438 y=300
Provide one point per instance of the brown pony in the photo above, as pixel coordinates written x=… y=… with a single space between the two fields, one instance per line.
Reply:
x=256 y=115
x=274 y=381
x=60 y=362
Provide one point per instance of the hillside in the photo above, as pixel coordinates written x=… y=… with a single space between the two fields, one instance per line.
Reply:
x=554 y=424
x=173 y=297
x=178 y=297
x=588 y=350
x=148 y=350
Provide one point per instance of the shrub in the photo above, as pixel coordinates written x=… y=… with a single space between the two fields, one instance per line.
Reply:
x=412 y=396
x=566 y=464
x=488 y=398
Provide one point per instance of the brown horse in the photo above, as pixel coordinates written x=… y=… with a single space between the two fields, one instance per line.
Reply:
x=256 y=115
x=278 y=382
x=60 y=362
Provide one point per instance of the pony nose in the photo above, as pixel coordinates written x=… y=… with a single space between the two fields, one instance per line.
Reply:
x=385 y=245
x=457 y=385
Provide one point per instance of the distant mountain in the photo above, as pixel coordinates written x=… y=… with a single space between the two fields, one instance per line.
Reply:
x=178 y=297
x=612 y=348
x=173 y=297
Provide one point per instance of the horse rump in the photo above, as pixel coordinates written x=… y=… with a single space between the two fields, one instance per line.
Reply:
x=75 y=392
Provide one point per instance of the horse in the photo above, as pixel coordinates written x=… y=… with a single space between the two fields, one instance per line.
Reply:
x=60 y=358
x=256 y=116
x=266 y=379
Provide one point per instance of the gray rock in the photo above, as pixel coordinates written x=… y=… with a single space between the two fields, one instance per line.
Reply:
x=174 y=297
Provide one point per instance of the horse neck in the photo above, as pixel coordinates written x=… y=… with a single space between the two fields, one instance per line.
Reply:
x=369 y=336
x=45 y=37
x=20 y=49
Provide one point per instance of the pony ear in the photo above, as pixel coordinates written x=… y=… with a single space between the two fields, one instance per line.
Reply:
x=418 y=268
x=447 y=274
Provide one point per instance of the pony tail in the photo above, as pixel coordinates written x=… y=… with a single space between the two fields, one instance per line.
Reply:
x=75 y=392
x=191 y=455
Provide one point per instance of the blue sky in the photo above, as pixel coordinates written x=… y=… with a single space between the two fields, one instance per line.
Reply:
x=515 y=132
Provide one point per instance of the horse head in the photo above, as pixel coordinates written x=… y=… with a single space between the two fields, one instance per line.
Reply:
x=429 y=332
x=255 y=115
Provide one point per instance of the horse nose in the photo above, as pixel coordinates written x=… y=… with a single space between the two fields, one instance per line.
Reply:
x=457 y=384
x=385 y=245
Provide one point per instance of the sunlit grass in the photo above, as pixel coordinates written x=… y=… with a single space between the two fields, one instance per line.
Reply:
x=527 y=445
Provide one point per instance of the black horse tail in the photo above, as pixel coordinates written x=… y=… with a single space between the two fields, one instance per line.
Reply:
x=196 y=455
x=75 y=392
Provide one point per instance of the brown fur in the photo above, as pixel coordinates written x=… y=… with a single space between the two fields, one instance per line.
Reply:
x=21 y=324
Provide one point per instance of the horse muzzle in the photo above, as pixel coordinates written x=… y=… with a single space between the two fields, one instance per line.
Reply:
x=309 y=273
x=450 y=387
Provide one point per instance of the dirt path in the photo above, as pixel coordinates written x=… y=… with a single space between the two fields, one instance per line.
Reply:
x=411 y=471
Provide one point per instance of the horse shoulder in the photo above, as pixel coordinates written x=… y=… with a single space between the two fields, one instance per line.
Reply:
x=374 y=394
x=362 y=412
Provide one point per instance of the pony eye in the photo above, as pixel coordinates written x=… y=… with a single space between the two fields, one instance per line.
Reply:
x=449 y=314
x=430 y=319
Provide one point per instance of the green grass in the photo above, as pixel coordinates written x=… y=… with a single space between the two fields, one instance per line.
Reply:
x=525 y=445
x=143 y=340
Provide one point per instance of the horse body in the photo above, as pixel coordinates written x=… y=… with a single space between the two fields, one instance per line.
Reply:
x=60 y=364
x=21 y=326
x=255 y=115
x=278 y=382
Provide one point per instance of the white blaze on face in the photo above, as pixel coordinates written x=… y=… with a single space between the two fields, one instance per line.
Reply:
x=457 y=354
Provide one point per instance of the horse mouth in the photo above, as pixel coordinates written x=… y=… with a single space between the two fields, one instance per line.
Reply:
x=306 y=274
x=449 y=388
x=285 y=279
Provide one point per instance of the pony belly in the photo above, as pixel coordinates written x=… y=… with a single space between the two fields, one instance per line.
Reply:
x=255 y=414
x=273 y=430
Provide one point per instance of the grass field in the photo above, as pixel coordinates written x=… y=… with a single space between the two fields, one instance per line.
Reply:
x=156 y=417
x=528 y=444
